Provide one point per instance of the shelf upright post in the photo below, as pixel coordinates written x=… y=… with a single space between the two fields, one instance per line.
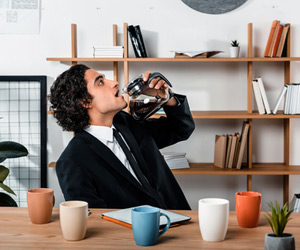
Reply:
x=126 y=63
x=286 y=153
x=249 y=103
x=74 y=42
x=115 y=43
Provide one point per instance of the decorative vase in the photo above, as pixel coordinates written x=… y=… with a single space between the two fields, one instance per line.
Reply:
x=286 y=242
x=234 y=51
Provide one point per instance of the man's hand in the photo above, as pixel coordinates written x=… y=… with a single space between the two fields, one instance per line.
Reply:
x=159 y=84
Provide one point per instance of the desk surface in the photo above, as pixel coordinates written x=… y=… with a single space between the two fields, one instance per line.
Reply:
x=17 y=232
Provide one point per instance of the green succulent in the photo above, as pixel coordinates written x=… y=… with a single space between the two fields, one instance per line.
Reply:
x=278 y=218
x=9 y=149
x=235 y=43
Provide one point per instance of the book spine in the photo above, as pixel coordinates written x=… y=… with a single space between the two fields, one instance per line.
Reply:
x=264 y=95
x=298 y=99
x=232 y=151
x=271 y=34
x=140 y=40
x=220 y=151
x=244 y=136
x=277 y=40
x=288 y=99
x=279 y=99
x=274 y=38
x=237 y=150
x=258 y=97
x=282 y=40
x=134 y=41
x=229 y=142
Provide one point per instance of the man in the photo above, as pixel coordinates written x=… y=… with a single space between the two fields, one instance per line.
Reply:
x=99 y=167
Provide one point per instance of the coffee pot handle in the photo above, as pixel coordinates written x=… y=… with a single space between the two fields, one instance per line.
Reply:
x=157 y=74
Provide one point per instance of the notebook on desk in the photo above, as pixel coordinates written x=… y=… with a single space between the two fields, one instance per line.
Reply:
x=123 y=217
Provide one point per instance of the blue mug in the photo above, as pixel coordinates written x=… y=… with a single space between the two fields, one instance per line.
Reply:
x=145 y=225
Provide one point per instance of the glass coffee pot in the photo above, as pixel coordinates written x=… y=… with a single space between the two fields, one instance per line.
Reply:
x=145 y=101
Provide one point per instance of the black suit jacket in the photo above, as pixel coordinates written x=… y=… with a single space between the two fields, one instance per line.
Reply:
x=88 y=170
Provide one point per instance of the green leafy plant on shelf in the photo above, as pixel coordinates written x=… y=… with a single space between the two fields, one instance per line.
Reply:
x=235 y=43
x=9 y=149
x=278 y=218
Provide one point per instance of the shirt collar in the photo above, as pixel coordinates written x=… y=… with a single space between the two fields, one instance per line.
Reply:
x=101 y=132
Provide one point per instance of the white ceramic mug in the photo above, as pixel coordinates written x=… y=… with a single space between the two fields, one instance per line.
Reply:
x=73 y=219
x=213 y=214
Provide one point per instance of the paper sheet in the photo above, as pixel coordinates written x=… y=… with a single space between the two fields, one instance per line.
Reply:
x=19 y=16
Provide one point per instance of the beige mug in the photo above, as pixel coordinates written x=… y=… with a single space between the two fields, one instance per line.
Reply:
x=73 y=219
x=40 y=202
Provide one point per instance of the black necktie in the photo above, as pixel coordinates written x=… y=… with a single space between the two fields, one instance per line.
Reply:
x=132 y=161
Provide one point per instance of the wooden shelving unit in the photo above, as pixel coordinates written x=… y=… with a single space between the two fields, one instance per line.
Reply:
x=284 y=169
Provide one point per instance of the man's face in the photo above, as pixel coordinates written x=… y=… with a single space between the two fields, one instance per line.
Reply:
x=106 y=101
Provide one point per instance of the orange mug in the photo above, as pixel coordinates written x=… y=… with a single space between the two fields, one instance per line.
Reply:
x=248 y=206
x=40 y=202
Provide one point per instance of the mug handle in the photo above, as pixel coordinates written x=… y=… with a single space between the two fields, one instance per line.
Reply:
x=166 y=227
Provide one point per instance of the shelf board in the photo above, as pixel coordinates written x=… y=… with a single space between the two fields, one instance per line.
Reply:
x=257 y=169
x=236 y=114
x=166 y=59
x=216 y=59
x=84 y=59
x=210 y=169
x=230 y=115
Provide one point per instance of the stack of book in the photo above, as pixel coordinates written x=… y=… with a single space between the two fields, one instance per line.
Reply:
x=229 y=149
x=176 y=160
x=137 y=41
x=277 y=40
x=108 y=51
x=291 y=92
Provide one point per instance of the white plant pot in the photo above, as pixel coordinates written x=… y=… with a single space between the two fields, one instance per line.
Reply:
x=234 y=51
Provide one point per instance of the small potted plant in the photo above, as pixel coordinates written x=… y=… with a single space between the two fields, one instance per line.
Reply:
x=235 y=48
x=9 y=149
x=278 y=218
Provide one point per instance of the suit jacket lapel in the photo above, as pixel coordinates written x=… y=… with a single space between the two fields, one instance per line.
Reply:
x=109 y=157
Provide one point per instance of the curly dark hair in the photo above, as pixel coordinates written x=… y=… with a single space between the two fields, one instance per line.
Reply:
x=67 y=96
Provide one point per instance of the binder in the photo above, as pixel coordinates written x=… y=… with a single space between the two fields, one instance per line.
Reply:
x=134 y=41
x=140 y=40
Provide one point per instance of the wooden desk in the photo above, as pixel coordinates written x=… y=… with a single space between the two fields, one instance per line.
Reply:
x=17 y=232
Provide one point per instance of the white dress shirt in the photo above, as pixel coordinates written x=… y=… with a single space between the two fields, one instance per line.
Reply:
x=105 y=135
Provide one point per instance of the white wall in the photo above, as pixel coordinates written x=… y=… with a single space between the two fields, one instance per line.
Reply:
x=169 y=25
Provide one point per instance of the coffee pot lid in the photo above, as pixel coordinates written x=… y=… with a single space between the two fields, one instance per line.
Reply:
x=134 y=86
